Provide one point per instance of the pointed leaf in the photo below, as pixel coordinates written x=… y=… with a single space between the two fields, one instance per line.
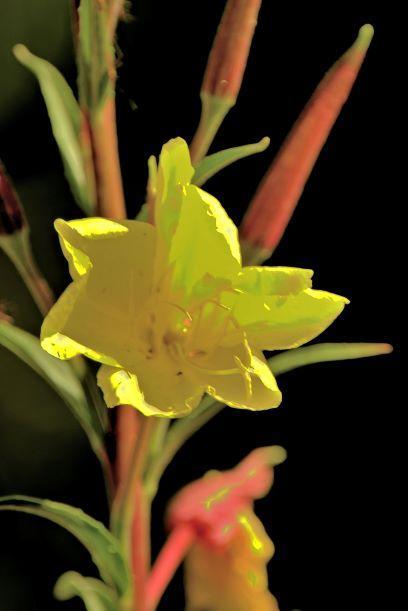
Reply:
x=96 y=595
x=321 y=353
x=212 y=164
x=101 y=544
x=65 y=117
x=60 y=376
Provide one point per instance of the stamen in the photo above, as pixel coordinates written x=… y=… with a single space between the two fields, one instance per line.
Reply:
x=217 y=372
x=197 y=321
x=178 y=307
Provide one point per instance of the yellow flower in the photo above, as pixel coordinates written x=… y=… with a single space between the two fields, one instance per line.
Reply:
x=168 y=309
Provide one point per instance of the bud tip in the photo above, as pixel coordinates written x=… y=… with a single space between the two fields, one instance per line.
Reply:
x=364 y=37
x=20 y=51
x=386 y=348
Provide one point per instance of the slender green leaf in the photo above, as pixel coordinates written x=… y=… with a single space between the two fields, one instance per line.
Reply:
x=101 y=544
x=96 y=595
x=65 y=117
x=320 y=353
x=218 y=161
x=60 y=376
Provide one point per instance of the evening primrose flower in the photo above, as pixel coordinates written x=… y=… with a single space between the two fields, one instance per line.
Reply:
x=226 y=566
x=168 y=309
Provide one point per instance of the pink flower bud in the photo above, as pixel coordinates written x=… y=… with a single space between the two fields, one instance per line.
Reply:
x=211 y=503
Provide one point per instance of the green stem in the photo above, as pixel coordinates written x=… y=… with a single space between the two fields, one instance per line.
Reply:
x=213 y=112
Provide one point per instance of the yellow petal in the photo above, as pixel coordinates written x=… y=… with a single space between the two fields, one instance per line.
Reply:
x=87 y=239
x=101 y=313
x=158 y=388
x=204 y=244
x=281 y=322
x=274 y=280
x=195 y=235
x=174 y=173
x=236 y=377
x=53 y=338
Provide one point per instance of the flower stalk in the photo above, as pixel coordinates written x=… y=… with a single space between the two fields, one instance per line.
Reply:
x=170 y=558
x=129 y=517
x=111 y=202
x=97 y=79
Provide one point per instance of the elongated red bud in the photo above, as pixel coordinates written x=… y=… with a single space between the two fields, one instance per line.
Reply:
x=229 y=54
x=281 y=188
x=225 y=70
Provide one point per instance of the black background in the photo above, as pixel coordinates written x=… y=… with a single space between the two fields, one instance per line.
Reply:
x=327 y=510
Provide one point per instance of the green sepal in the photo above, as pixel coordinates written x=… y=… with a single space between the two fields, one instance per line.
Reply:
x=61 y=377
x=66 y=119
x=104 y=548
x=96 y=595
x=210 y=165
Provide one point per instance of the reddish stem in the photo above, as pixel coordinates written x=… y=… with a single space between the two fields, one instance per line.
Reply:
x=140 y=548
x=127 y=429
x=111 y=200
x=167 y=563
